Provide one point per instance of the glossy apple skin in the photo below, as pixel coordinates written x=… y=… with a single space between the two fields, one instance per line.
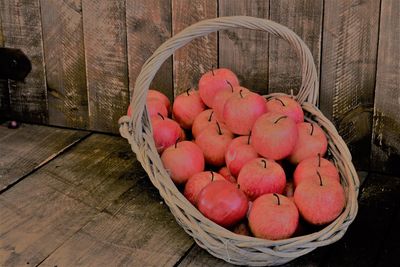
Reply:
x=213 y=144
x=197 y=182
x=224 y=171
x=271 y=221
x=308 y=145
x=238 y=153
x=186 y=107
x=154 y=94
x=220 y=100
x=165 y=132
x=318 y=204
x=291 y=107
x=182 y=161
x=307 y=169
x=214 y=81
x=256 y=180
x=154 y=107
x=223 y=203
x=242 y=110
x=274 y=140
x=204 y=119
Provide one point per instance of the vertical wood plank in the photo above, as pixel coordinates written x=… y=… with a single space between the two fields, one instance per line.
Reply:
x=350 y=38
x=304 y=17
x=22 y=29
x=106 y=62
x=386 y=126
x=198 y=57
x=148 y=26
x=4 y=95
x=244 y=51
x=65 y=62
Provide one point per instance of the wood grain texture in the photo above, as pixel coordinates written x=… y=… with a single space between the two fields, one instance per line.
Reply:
x=200 y=55
x=65 y=63
x=349 y=53
x=22 y=29
x=378 y=205
x=137 y=230
x=385 y=156
x=29 y=147
x=304 y=17
x=4 y=94
x=245 y=51
x=106 y=62
x=148 y=26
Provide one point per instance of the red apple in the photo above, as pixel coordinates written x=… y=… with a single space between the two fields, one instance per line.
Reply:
x=186 y=107
x=182 y=160
x=242 y=110
x=223 y=203
x=287 y=106
x=307 y=169
x=213 y=81
x=241 y=229
x=224 y=171
x=238 y=153
x=165 y=132
x=320 y=201
x=203 y=120
x=261 y=176
x=221 y=97
x=274 y=135
x=154 y=94
x=273 y=217
x=197 y=182
x=213 y=141
x=312 y=140
x=156 y=107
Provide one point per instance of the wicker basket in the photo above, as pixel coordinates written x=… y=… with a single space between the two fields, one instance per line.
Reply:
x=218 y=241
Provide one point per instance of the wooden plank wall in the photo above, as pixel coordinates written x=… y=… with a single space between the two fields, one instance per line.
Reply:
x=86 y=56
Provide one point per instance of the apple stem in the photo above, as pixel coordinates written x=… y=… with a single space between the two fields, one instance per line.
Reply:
x=238 y=186
x=277 y=197
x=176 y=142
x=212 y=176
x=187 y=91
x=319 y=159
x=320 y=179
x=312 y=128
x=219 y=129
x=265 y=163
x=281 y=117
x=159 y=114
x=248 y=139
x=212 y=70
x=230 y=85
x=283 y=104
x=240 y=93
x=209 y=118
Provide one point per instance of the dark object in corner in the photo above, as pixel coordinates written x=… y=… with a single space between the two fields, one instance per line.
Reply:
x=13 y=124
x=14 y=64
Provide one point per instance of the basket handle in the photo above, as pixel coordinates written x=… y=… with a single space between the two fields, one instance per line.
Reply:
x=309 y=85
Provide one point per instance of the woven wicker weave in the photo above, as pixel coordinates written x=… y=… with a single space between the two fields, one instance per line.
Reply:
x=218 y=241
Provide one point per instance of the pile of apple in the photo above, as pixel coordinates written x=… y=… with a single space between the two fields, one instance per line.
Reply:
x=232 y=153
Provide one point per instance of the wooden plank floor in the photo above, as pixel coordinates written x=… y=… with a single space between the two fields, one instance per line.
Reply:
x=73 y=198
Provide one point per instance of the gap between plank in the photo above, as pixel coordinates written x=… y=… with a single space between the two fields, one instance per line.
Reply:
x=184 y=255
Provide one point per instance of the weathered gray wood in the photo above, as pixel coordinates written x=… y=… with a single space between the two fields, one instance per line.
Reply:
x=385 y=154
x=200 y=55
x=304 y=17
x=148 y=26
x=200 y=257
x=243 y=51
x=65 y=63
x=106 y=62
x=22 y=29
x=29 y=147
x=350 y=38
x=137 y=230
